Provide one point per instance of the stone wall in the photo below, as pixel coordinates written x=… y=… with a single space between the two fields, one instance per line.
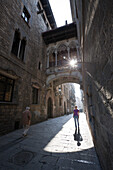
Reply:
x=26 y=72
x=98 y=75
x=56 y=96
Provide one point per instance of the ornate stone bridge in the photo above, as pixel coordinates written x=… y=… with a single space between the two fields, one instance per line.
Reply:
x=64 y=74
x=63 y=47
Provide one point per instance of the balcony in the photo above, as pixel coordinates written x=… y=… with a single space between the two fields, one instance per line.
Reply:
x=63 y=66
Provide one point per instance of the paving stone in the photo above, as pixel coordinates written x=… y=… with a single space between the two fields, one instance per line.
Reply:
x=58 y=152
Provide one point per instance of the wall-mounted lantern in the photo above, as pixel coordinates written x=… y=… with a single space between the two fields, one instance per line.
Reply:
x=59 y=92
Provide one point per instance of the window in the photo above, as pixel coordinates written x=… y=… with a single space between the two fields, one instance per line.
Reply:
x=22 y=49
x=34 y=96
x=18 y=47
x=26 y=15
x=16 y=42
x=6 y=89
x=39 y=66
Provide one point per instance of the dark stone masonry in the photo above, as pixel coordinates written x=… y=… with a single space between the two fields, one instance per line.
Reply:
x=24 y=72
x=24 y=59
x=98 y=75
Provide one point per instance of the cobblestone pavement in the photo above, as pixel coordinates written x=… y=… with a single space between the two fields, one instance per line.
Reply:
x=50 y=145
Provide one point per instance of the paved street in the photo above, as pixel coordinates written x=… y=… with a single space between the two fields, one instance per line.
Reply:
x=50 y=145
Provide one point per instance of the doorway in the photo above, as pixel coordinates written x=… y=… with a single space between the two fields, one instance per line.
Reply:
x=50 y=108
x=64 y=107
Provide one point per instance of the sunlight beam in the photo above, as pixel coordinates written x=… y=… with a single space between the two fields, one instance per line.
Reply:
x=73 y=62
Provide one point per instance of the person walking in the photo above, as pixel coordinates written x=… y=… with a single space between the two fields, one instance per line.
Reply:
x=26 y=116
x=76 y=118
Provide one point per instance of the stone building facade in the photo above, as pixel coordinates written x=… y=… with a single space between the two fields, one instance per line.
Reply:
x=22 y=60
x=24 y=65
x=71 y=102
x=64 y=99
x=95 y=29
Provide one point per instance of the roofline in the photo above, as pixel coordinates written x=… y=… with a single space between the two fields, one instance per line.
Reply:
x=61 y=33
x=49 y=13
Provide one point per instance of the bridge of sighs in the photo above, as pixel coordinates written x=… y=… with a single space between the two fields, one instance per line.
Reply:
x=63 y=58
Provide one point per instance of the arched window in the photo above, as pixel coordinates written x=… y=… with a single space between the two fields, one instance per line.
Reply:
x=16 y=42
x=18 y=47
x=62 y=55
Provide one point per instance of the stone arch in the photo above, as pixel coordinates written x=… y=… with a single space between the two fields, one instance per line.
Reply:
x=51 y=53
x=62 y=55
x=71 y=80
x=73 y=76
x=72 y=44
x=51 y=49
x=62 y=47
x=61 y=43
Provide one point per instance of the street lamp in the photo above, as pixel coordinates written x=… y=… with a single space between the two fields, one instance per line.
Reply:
x=59 y=89
x=59 y=92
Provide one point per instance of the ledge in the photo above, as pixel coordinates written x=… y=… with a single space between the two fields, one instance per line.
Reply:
x=8 y=103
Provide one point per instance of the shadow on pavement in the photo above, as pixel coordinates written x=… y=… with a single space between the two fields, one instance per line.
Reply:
x=48 y=146
x=78 y=137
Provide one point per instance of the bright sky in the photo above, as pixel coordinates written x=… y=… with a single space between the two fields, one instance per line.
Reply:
x=77 y=90
x=61 y=11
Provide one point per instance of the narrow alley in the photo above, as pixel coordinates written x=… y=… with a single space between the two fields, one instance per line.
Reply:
x=50 y=145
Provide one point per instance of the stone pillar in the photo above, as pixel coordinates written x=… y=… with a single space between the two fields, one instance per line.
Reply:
x=56 y=57
x=47 y=60
x=78 y=56
x=68 y=50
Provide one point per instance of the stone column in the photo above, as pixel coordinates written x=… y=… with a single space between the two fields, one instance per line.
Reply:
x=56 y=57
x=78 y=56
x=47 y=60
x=68 y=50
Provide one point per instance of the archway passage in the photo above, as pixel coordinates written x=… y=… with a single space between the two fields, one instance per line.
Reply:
x=50 y=108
